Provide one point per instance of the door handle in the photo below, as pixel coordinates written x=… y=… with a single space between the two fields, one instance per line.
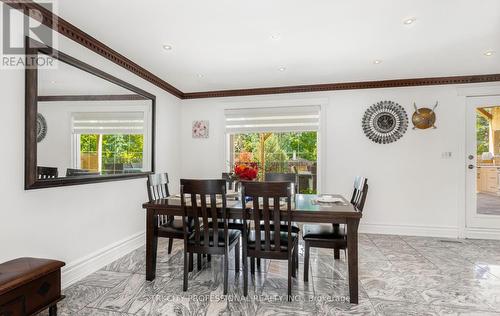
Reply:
x=470 y=166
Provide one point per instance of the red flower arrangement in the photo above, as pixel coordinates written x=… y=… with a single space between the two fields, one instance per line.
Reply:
x=246 y=171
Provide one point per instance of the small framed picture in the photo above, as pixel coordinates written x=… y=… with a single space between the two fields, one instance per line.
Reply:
x=200 y=129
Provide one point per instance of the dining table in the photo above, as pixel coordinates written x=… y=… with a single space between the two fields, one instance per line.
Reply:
x=305 y=209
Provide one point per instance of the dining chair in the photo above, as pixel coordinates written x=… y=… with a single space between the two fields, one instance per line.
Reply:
x=268 y=241
x=332 y=236
x=283 y=177
x=168 y=226
x=47 y=172
x=202 y=238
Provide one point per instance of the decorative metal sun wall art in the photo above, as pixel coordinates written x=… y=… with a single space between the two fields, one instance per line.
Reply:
x=41 y=127
x=385 y=122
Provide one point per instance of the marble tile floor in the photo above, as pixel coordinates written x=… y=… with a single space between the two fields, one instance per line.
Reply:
x=399 y=275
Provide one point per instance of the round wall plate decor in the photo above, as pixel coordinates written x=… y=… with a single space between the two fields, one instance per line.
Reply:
x=41 y=127
x=385 y=122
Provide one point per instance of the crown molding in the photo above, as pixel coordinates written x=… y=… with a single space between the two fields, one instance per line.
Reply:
x=74 y=33
x=347 y=86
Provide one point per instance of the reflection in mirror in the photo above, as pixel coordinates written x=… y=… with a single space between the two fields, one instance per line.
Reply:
x=88 y=126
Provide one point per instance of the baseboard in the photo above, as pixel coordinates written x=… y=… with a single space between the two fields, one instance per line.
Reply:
x=482 y=233
x=410 y=230
x=80 y=268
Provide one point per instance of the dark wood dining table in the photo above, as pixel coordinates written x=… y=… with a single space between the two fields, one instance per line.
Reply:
x=305 y=210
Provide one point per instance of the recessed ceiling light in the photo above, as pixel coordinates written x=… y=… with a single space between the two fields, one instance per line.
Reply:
x=275 y=37
x=53 y=82
x=167 y=47
x=409 y=21
x=282 y=68
x=377 y=61
x=489 y=53
x=200 y=75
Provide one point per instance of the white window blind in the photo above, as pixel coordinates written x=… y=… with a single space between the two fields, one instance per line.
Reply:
x=108 y=123
x=273 y=119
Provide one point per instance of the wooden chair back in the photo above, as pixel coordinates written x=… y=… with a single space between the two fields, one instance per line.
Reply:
x=47 y=172
x=266 y=217
x=158 y=189
x=158 y=186
x=359 y=193
x=198 y=191
x=283 y=177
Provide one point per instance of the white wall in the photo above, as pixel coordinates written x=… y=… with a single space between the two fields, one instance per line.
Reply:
x=74 y=223
x=413 y=190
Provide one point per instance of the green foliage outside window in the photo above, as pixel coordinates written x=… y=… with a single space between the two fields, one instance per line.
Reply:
x=89 y=143
x=279 y=146
x=122 y=148
x=118 y=151
x=482 y=134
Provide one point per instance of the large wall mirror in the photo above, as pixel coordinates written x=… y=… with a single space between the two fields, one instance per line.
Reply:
x=84 y=125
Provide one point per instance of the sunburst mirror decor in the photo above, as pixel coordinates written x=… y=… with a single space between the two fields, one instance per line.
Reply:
x=385 y=122
x=41 y=127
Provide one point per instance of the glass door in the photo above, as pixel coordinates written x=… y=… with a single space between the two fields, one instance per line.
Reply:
x=483 y=163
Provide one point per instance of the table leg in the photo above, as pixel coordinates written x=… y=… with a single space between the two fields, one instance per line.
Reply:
x=352 y=256
x=151 y=244
x=53 y=310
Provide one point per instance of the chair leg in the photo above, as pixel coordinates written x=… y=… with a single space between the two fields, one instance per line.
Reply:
x=294 y=275
x=252 y=265
x=306 y=262
x=53 y=310
x=170 y=244
x=245 y=273
x=186 y=268
x=190 y=262
x=336 y=254
x=226 y=270
x=296 y=258
x=237 y=257
x=209 y=258
x=290 y=271
x=198 y=259
x=258 y=264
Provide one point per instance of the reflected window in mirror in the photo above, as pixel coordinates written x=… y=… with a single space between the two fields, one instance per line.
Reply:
x=89 y=125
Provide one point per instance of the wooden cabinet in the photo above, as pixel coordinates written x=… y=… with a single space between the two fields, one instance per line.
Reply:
x=487 y=180
x=30 y=285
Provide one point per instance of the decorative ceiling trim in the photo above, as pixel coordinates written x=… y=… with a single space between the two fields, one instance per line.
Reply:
x=67 y=29
x=72 y=32
x=347 y=86
x=93 y=97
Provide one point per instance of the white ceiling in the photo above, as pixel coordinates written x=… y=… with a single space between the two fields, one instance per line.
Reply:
x=64 y=79
x=230 y=42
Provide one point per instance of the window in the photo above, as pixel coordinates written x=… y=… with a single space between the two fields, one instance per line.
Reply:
x=279 y=140
x=109 y=142
x=111 y=154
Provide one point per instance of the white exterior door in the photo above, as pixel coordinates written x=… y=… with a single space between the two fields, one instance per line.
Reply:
x=482 y=162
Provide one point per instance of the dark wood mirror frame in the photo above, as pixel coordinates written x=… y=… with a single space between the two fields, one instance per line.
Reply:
x=33 y=48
